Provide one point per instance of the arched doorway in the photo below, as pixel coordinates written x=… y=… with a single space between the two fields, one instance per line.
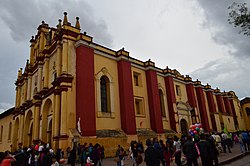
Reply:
x=184 y=126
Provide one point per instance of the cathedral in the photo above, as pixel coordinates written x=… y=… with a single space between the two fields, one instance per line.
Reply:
x=73 y=90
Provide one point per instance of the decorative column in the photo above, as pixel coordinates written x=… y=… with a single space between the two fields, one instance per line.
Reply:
x=36 y=127
x=202 y=105
x=64 y=113
x=227 y=104
x=219 y=101
x=211 y=105
x=154 y=99
x=169 y=83
x=65 y=56
x=126 y=93
x=56 y=117
x=59 y=58
x=21 y=128
x=29 y=87
x=46 y=71
x=39 y=81
x=85 y=94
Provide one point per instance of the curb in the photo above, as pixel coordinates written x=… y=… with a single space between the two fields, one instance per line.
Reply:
x=234 y=158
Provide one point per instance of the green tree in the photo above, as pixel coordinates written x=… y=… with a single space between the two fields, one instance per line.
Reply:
x=239 y=16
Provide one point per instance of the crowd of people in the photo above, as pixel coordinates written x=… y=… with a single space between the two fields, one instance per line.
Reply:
x=184 y=149
x=41 y=154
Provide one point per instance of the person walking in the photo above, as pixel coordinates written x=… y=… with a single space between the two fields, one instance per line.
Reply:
x=190 y=152
x=177 y=151
x=152 y=155
x=205 y=151
x=225 y=142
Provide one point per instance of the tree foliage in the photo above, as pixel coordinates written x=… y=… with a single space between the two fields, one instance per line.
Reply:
x=239 y=16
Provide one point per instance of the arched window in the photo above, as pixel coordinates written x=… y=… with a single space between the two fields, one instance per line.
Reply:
x=105 y=96
x=10 y=129
x=163 y=112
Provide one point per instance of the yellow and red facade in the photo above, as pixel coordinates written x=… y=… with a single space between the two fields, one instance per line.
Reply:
x=74 y=90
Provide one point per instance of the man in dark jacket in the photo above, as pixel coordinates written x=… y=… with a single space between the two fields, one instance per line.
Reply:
x=190 y=152
x=152 y=155
x=46 y=160
x=205 y=151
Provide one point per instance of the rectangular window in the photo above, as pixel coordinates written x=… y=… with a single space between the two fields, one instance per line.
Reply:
x=137 y=79
x=139 y=106
x=178 y=90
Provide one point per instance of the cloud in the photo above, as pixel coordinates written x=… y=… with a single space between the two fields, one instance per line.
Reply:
x=226 y=74
x=19 y=21
x=216 y=13
x=23 y=17
x=231 y=71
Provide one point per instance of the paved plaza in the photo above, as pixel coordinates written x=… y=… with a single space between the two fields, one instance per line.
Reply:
x=224 y=158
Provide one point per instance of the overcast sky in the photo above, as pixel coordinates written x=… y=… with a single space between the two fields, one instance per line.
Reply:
x=191 y=36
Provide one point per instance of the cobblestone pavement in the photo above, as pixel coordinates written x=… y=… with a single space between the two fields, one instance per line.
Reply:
x=224 y=158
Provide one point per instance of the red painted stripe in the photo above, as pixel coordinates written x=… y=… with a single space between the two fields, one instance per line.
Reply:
x=191 y=95
x=126 y=97
x=212 y=108
x=169 y=83
x=202 y=108
x=154 y=101
x=85 y=90
x=227 y=105
x=220 y=103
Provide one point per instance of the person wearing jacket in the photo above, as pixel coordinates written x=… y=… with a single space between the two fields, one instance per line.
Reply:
x=152 y=155
x=190 y=152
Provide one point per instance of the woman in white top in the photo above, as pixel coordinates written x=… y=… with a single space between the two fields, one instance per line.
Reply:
x=177 y=151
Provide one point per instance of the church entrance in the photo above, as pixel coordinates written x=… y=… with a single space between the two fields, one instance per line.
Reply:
x=184 y=126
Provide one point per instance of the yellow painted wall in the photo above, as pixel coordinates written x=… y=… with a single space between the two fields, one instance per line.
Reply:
x=111 y=67
x=240 y=115
x=247 y=118
x=183 y=96
x=6 y=138
x=142 y=121
x=228 y=122
x=217 y=121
